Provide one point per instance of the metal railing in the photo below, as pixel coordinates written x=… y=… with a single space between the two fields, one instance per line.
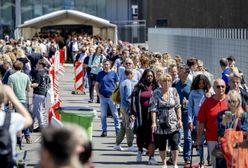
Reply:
x=220 y=33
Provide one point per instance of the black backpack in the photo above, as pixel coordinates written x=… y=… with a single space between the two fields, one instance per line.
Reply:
x=46 y=82
x=6 y=159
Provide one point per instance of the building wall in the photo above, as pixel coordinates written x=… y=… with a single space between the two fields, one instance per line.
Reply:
x=112 y=10
x=117 y=10
x=196 y=13
x=208 y=45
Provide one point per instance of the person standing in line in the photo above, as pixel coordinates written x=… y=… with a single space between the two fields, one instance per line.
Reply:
x=21 y=83
x=95 y=65
x=166 y=118
x=139 y=108
x=207 y=117
x=226 y=70
x=199 y=92
x=172 y=70
x=107 y=80
x=183 y=89
x=18 y=121
x=40 y=87
x=74 y=48
x=7 y=65
x=234 y=117
x=235 y=84
x=126 y=88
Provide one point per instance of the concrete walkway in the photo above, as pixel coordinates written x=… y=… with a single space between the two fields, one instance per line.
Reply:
x=103 y=155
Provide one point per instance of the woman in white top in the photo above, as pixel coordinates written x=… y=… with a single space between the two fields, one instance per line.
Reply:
x=19 y=120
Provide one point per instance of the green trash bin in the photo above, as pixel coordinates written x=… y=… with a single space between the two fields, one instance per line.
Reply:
x=82 y=116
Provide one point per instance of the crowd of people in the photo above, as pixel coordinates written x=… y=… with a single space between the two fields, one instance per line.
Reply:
x=161 y=98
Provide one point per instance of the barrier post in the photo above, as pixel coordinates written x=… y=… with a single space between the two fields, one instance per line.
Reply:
x=78 y=78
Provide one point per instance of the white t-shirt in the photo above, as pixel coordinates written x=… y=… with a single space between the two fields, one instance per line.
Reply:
x=16 y=124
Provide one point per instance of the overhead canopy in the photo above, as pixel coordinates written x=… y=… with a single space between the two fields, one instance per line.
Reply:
x=100 y=26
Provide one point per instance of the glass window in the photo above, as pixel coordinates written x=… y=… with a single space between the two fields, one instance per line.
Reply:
x=7 y=17
x=58 y=4
x=101 y=8
x=47 y=6
x=68 y=4
x=80 y=5
x=91 y=7
x=37 y=10
x=26 y=10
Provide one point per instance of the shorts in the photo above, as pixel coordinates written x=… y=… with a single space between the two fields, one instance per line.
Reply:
x=161 y=141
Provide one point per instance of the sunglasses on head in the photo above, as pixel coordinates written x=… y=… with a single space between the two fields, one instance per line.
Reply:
x=220 y=86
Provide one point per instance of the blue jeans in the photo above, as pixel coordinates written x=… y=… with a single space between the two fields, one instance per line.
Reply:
x=201 y=148
x=86 y=84
x=25 y=131
x=187 y=145
x=38 y=101
x=104 y=104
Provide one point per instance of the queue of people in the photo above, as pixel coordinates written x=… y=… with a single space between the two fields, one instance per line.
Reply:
x=162 y=99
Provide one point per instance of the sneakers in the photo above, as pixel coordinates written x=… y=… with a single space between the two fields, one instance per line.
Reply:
x=169 y=161
x=164 y=166
x=152 y=161
x=139 y=156
x=175 y=166
x=132 y=149
x=104 y=134
x=118 y=147
x=180 y=149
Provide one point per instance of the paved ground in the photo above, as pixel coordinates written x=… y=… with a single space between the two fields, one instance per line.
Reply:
x=104 y=155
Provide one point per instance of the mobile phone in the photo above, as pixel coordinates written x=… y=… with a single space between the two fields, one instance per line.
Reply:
x=228 y=113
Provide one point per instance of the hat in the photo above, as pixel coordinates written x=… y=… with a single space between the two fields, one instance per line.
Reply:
x=231 y=58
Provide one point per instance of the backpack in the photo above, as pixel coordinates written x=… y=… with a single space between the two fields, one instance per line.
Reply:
x=6 y=159
x=46 y=82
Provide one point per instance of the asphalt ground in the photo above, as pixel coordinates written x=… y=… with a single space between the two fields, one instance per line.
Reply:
x=103 y=153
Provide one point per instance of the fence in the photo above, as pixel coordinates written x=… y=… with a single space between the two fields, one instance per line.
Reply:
x=208 y=45
x=133 y=31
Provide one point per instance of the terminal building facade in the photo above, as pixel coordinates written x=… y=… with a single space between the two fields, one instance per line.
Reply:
x=16 y=12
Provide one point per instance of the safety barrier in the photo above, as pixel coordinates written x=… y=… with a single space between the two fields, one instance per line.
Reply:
x=78 y=78
x=56 y=69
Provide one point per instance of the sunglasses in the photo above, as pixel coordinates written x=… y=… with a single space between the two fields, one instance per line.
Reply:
x=220 y=86
x=128 y=63
x=231 y=101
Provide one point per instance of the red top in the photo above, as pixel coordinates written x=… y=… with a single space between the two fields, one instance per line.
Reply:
x=208 y=115
x=145 y=96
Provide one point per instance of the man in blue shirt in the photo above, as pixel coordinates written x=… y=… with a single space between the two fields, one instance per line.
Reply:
x=226 y=70
x=105 y=85
x=183 y=89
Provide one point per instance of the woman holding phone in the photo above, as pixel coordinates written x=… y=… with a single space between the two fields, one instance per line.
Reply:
x=234 y=117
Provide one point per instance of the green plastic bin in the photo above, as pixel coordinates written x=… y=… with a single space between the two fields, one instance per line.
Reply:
x=82 y=116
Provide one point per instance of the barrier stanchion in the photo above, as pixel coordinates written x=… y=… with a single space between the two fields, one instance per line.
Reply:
x=56 y=69
x=79 y=78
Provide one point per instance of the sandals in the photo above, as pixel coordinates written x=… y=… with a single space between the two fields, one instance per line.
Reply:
x=28 y=140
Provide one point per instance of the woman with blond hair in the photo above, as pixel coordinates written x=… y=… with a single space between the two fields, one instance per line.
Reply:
x=165 y=110
x=234 y=117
